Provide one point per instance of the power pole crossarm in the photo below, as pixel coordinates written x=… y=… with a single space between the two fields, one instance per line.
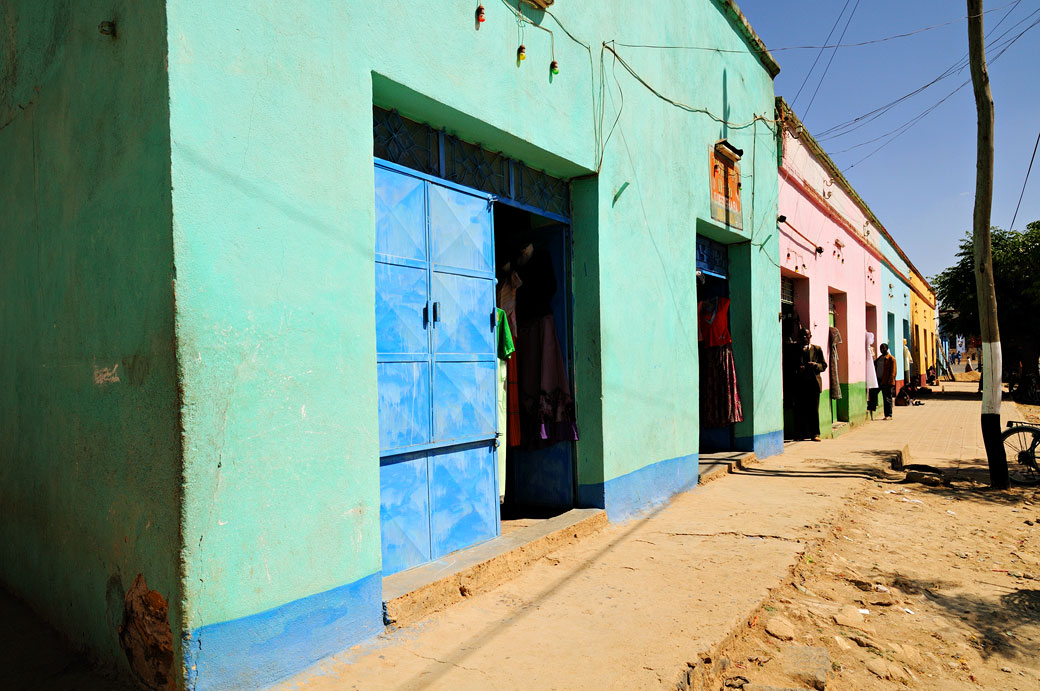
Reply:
x=992 y=381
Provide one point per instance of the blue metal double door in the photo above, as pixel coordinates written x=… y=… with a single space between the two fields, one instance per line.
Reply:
x=436 y=361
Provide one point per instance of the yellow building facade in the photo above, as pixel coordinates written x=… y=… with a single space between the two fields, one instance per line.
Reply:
x=923 y=325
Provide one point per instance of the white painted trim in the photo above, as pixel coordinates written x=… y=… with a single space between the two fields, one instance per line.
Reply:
x=992 y=369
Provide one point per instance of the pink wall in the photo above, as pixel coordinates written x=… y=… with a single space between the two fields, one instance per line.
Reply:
x=821 y=214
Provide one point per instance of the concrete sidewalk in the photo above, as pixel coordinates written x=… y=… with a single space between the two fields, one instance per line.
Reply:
x=629 y=606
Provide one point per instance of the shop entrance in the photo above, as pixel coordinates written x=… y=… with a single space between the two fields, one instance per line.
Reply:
x=838 y=358
x=872 y=352
x=472 y=311
x=794 y=311
x=536 y=443
x=720 y=407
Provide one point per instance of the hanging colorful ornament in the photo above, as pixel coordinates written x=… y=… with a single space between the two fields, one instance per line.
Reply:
x=480 y=13
x=554 y=67
x=521 y=52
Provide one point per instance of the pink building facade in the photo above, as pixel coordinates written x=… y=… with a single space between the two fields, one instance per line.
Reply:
x=830 y=266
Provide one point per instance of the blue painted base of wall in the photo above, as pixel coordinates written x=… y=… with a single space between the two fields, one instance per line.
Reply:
x=259 y=650
x=638 y=491
x=764 y=445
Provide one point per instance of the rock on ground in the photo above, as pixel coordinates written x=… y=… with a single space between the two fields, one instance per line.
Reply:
x=807 y=664
x=778 y=627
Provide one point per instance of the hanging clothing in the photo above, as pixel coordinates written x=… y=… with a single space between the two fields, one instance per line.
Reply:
x=713 y=322
x=872 y=397
x=834 y=337
x=546 y=406
x=872 y=380
x=506 y=300
x=505 y=353
x=873 y=389
x=719 y=394
x=811 y=365
x=908 y=362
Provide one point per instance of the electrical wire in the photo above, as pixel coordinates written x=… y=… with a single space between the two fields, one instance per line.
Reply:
x=905 y=127
x=841 y=45
x=826 y=69
x=848 y=126
x=621 y=107
x=1022 y=193
x=684 y=106
x=820 y=53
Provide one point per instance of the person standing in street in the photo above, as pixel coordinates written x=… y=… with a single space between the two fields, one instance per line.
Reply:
x=886 y=374
x=808 y=385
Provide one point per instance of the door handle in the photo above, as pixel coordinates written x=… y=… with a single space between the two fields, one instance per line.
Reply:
x=436 y=312
x=494 y=319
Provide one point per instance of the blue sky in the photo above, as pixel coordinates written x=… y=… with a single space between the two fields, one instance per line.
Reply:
x=922 y=185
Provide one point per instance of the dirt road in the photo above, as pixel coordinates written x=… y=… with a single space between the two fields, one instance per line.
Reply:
x=918 y=586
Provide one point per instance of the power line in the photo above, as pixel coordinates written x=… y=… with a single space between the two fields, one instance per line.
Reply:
x=902 y=129
x=1022 y=193
x=835 y=52
x=808 y=74
x=848 y=126
x=777 y=50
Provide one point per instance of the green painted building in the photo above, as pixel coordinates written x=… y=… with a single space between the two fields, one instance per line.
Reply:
x=193 y=298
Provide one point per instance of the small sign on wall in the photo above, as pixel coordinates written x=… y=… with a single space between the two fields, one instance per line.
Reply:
x=725 y=188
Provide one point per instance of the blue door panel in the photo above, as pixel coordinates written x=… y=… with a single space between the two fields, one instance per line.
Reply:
x=400 y=215
x=464 y=400
x=404 y=404
x=437 y=380
x=463 y=497
x=466 y=306
x=401 y=325
x=460 y=230
x=404 y=511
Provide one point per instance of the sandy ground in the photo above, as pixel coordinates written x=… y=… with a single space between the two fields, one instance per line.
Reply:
x=1030 y=413
x=640 y=604
x=935 y=588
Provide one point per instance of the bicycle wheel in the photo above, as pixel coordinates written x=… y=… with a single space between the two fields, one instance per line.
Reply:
x=1021 y=447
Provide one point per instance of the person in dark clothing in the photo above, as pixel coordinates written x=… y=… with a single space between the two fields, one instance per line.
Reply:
x=808 y=385
x=886 y=374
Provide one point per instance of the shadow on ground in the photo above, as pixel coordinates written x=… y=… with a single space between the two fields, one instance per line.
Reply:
x=820 y=468
x=997 y=624
x=979 y=493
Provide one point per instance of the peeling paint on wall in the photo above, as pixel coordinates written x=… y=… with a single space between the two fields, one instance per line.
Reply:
x=146 y=637
x=106 y=375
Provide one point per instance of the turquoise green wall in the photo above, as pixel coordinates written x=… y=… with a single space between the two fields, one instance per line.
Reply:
x=273 y=235
x=895 y=300
x=89 y=437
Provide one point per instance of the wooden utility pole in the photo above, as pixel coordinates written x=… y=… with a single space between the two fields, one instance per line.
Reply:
x=987 y=296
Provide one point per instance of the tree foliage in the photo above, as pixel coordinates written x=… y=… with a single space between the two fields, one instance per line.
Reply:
x=1016 y=273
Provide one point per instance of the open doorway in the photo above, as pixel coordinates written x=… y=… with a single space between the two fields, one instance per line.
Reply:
x=838 y=358
x=537 y=421
x=873 y=341
x=794 y=316
x=716 y=425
